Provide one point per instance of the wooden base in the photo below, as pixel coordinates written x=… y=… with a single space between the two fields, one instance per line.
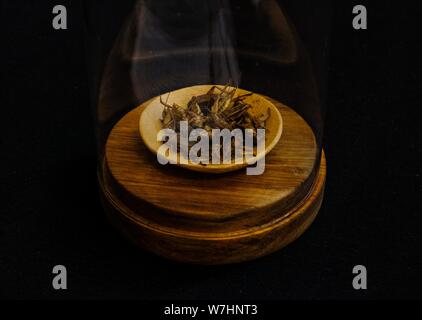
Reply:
x=208 y=219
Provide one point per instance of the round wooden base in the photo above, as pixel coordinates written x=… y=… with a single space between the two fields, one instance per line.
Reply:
x=212 y=219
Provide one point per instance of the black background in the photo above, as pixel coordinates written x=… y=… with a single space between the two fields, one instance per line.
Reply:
x=50 y=211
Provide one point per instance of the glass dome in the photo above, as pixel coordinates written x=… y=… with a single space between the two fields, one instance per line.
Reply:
x=146 y=54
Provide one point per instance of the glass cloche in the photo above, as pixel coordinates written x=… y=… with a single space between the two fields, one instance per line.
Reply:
x=209 y=119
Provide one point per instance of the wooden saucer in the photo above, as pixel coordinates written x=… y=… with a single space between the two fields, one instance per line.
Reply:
x=212 y=219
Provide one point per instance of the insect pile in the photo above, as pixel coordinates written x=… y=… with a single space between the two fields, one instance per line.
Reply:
x=219 y=108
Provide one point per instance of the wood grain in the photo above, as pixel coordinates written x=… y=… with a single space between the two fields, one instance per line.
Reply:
x=213 y=219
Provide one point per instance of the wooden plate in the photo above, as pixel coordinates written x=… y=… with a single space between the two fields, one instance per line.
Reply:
x=150 y=125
